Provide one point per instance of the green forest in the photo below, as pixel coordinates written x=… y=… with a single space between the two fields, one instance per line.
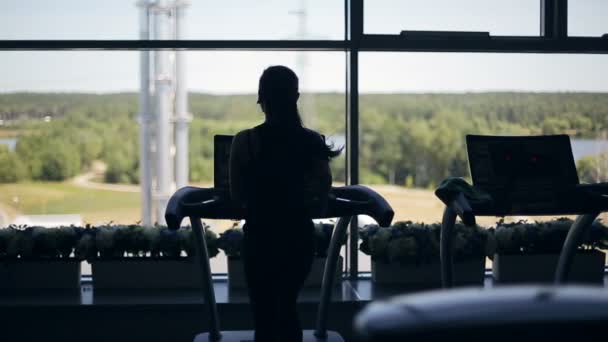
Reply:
x=413 y=140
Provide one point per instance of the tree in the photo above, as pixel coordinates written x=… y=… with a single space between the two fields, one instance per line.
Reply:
x=11 y=168
x=122 y=163
x=29 y=148
x=59 y=161
x=593 y=169
x=554 y=125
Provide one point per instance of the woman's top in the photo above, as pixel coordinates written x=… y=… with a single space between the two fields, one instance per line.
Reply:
x=279 y=173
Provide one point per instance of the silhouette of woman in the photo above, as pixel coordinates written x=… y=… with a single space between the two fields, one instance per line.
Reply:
x=276 y=170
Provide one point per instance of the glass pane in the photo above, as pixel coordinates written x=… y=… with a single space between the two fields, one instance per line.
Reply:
x=416 y=109
x=587 y=18
x=69 y=132
x=120 y=19
x=518 y=17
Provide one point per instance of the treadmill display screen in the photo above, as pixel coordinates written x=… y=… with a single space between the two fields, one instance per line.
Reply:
x=520 y=163
x=221 y=161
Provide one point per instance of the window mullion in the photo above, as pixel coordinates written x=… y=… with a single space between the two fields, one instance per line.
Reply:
x=352 y=124
x=554 y=19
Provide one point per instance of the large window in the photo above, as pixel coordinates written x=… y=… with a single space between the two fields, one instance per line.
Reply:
x=587 y=18
x=511 y=18
x=212 y=20
x=69 y=128
x=70 y=132
x=417 y=108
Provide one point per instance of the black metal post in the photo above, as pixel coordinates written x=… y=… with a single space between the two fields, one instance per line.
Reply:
x=355 y=18
x=554 y=19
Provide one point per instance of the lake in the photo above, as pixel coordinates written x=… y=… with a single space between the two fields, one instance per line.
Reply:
x=9 y=142
x=580 y=147
x=587 y=147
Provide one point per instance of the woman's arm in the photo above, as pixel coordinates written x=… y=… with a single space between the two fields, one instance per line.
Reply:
x=238 y=169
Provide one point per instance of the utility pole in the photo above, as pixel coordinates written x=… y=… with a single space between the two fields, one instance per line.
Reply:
x=302 y=64
x=145 y=175
x=163 y=86
x=182 y=117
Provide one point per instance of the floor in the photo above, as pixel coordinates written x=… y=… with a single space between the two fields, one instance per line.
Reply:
x=176 y=315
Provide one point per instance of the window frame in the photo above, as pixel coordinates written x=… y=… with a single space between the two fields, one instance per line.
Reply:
x=553 y=38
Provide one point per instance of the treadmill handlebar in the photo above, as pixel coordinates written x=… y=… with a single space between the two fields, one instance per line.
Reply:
x=579 y=199
x=215 y=204
x=463 y=209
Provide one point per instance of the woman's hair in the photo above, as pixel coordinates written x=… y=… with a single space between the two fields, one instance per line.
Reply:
x=278 y=93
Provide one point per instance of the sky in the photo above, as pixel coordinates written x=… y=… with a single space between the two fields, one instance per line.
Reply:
x=225 y=72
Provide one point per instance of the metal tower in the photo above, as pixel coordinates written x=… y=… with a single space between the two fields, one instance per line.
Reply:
x=163 y=103
x=302 y=64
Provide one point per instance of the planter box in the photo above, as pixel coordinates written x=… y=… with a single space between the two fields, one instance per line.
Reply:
x=146 y=274
x=236 y=273
x=40 y=274
x=466 y=273
x=587 y=267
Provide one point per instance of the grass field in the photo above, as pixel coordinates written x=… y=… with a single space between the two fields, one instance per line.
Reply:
x=98 y=206
x=95 y=206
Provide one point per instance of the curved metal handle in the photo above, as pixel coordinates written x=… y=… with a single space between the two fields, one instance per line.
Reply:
x=351 y=201
x=459 y=207
x=463 y=209
x=207 y=282
x=445 y=247
x=329 y=274
x=573 y=240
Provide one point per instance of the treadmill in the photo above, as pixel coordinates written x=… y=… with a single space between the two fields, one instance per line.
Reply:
x=524 y=175
x=210 y=203
x=522 y=312
x=585 y=200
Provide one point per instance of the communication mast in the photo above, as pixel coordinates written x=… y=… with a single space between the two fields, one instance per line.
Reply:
x=303 y=63
x=163 y=103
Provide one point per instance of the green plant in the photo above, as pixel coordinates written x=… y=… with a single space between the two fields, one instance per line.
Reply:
x=7 y=242
x=102 y=242
x=85 y=247
x=134 y=241
x=38 y=242
x=525 y=237
x=231 y=241
x=418 y=243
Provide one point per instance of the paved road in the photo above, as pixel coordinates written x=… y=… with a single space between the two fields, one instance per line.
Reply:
x=84 y=181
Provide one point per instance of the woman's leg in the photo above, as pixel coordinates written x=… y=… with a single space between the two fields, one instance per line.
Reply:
x=264 y=305
x=290 y=329
x=296 y=266
x=263 y=296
